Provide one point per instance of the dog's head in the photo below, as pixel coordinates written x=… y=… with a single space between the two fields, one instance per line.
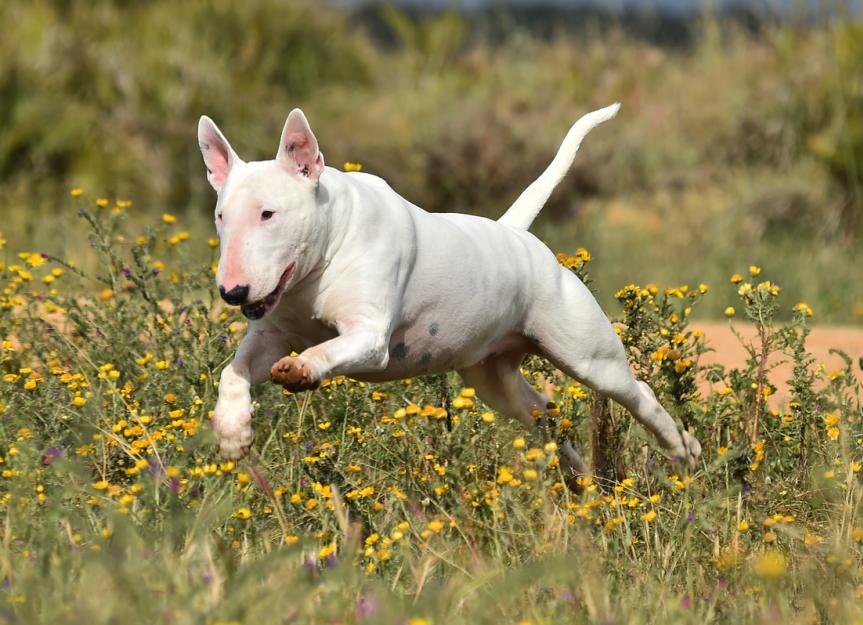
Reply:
x=265 y=213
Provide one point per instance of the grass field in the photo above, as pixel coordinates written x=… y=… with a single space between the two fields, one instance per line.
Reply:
x=407 y=502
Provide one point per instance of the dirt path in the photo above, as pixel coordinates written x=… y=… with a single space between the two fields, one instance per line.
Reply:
x=730 y=353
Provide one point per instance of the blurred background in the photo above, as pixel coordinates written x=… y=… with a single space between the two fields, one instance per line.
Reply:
x=740 y=140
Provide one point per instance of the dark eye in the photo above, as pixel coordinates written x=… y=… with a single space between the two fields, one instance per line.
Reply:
x=219 y=216
x=266 y=215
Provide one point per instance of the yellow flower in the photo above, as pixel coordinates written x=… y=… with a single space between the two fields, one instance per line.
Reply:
x=857 y=534
x=102 y=202
x=804 y=308
x=348 y=166
x=106 y=294
x=487 y=417
x=736 y=278
x=168 y=218
x=504 y=475
x=461 y=402
x=79 y=401
x=754 y=270
x=648 y=517
x=729 y=312
x=213 y=242
x=435 y=526
x=518 y=443
x=743 y=526
x=770 y=565
x=244 y=514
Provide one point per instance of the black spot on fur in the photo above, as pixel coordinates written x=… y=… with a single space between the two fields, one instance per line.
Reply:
x=425 y=359
x=433 y=329
x=400 y=351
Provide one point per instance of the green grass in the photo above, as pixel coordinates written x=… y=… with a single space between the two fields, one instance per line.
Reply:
x=114 y=507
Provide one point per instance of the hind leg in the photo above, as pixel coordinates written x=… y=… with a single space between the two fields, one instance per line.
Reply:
x=499 y=383
x=579 y=340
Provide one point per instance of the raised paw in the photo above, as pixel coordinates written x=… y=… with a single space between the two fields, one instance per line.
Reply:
x=293 y=374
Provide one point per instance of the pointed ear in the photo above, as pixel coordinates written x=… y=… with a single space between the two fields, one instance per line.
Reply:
x=218 y=155
x=298 y=148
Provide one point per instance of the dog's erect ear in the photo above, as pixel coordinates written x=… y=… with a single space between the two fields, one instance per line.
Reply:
x=298 y=148
x=218 y=155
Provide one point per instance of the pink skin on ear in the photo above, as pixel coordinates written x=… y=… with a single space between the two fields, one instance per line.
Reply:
x=298 y=150
x=216 y=152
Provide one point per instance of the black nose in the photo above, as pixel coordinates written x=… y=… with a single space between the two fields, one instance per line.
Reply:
x=235 y=296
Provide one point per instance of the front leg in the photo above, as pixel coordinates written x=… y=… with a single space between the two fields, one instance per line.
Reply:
x=232 y=419
x=359 y=348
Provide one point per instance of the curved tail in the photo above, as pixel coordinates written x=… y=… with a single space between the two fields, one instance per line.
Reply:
x=525 y=209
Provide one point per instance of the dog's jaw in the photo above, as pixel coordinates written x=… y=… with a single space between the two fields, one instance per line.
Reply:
x=263 y=307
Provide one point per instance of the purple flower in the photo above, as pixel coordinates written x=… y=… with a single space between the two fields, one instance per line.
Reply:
x=51 y=454
x=154 y=468
x=691 y=517
x=366 y=607
x=567 y=596
x=746 y=488
x=126 y=272
x=311 y=565
x=686 y=602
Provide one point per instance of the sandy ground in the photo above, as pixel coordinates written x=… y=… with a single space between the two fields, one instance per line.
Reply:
x=730 y=353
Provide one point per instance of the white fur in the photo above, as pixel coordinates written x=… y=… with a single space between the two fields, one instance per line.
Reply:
x=384 y=290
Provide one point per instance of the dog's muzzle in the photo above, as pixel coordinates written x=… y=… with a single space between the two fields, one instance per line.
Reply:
x=260 y=308
x=235 y=296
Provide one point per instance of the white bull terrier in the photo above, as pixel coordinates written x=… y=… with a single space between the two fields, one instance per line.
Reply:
x=340 y=268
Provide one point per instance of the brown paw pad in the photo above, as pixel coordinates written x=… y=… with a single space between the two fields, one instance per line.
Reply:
x=293 y=374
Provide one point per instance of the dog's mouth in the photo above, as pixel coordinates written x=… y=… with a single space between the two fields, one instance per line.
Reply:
x=262 y=307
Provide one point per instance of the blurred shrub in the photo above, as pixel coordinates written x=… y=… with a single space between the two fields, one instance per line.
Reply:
x=108 y=94
x=836 y=120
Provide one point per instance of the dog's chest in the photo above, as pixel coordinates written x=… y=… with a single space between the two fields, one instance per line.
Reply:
x=302 y=327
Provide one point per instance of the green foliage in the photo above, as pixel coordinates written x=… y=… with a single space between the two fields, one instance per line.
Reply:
x=373 y=503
